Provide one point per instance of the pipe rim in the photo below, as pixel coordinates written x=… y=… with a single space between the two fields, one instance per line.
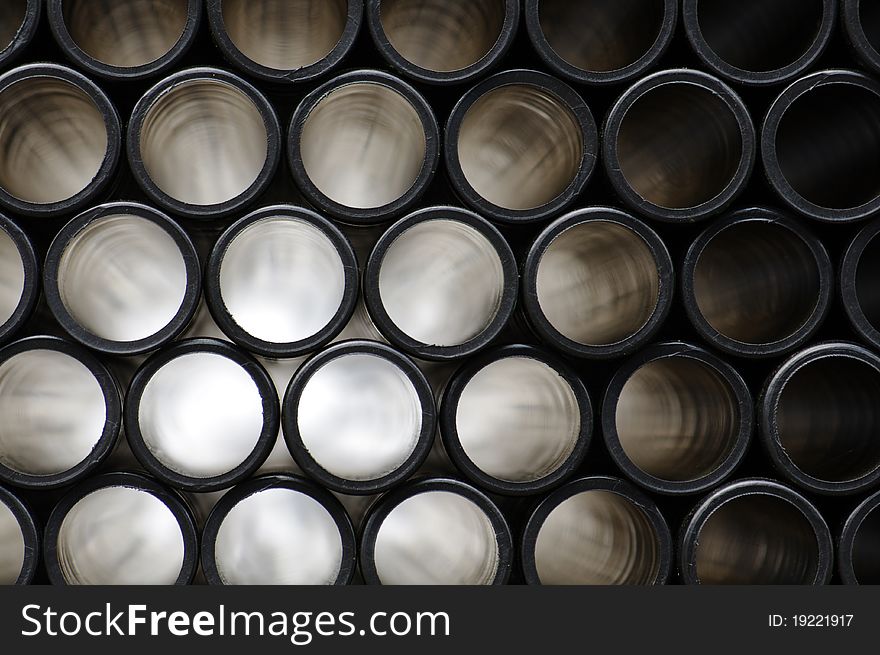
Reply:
x=785 y=345
x=78 y=56
x=31 y=289
x=848 y=289
x=29 y=534
x=265 y=441
x=289 y=482
x=452 y=443
x=25 y=33
x=848 y=535
x=215 y=210
x=379 y=511
x=852 y=25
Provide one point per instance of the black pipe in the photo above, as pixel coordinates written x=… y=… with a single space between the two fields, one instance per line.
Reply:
x=19 y=279
x=860 y=283
x=679 y=145
x=861 y=24
x=600 y=41
x=819 y=418
x=759 y=42
x=19 y=541
x=19 y=20
x=520 y=146
x=857 y=559
x=597 y=283
x=757 y=283
x=821 y=146
x=755 y=532
x=443 y=41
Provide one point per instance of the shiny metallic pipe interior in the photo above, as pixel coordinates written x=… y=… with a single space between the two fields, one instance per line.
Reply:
x=14 y=540
x=12 y=17
x=12 y=276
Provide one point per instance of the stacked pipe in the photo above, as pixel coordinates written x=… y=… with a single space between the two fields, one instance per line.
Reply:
x=440 y=292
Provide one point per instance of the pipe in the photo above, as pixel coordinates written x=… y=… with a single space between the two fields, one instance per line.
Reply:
x=516 y=420
x=62 y=140
x=861 y=24
x=125 y=39
x=285 y=41
x=60 y=412
x=679 y=145
x=597 y=283
x=19 y=279
x=19 y=541
x=756 y=283
x=759 y=42
x=203 y=143
x=201 y=415
x=122 y=278
x=441 y=283
x=755 y=532
x=859 y=544
x=278 y=529
x=821 y=146
x=363 y=147
x=282 y=281
x=19 y=20
x=359 y=417
x=443 y=41
x=860 y=283
x=819 y=418
x=435 y=531
x=596 y=531
x=677 y=419
x=121 y=529
x=600 y=41
x=520 y=146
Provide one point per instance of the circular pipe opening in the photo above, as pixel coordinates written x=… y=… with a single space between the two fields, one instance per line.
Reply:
x=12 y=17
x=120 y=536
x=756 y=539
x=442 y=36
x=12 y=277
x=520 y=146
x=869 y=18
x=363 y=145
x=56 y=139
x=598 y=283
x=866 y=545
x=12 y=546
x=127 y=33
x=757 y=282
x=867 y=282
x=597 y=537
x=601 y=36
x=203 y=142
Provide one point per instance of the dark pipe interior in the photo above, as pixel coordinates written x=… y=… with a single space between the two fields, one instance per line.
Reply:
x=828 y=145
x=756 y=282
x=757 y=539
x=866 y=549
x=601 y=36
x=12 y=14
x=679 y=145
x=828 y=418
x=869 y=16
x=759 y=35
x=868 y=282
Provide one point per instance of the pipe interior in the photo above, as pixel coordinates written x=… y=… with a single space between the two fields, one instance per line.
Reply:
x=441 y=282
x=122 y=278
x=55 y=140
x=52 y=412
x=442 y=35
x=201 y=414
x=756 y=539
x=11 y=546
x=760 y=35
x=601 y=36
x=828 y=146
x=519 y=146
x=517 y=419
x=757 y=282
x=598 y=283
x=677 y=419
x=120 y=536
x=866 y=563
x=867 y=282
x=363 y=145
x=125 y=33
x=869 y=17
x=203 y=142
x=278 y=536
x=597 y=537
x=11 y=277
x=359 y=416
x=12 y=15
x=282 y=279
x=679 y=145
x=827 y=418
x=436 y=538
